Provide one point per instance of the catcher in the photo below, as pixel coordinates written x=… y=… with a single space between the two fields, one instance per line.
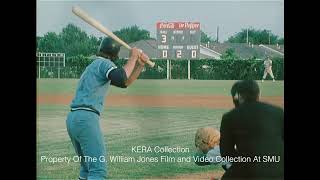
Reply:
x=83 y=124
x=207 y=141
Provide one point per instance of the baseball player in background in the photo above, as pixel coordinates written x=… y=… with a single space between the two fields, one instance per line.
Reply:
x=82 y=122
x=267 y=69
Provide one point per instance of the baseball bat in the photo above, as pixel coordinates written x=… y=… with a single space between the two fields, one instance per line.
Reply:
x=93 y=22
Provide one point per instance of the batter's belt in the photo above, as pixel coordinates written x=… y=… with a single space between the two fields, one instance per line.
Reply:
x=85 y=108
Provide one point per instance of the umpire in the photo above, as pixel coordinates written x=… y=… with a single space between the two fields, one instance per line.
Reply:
x=252 y=134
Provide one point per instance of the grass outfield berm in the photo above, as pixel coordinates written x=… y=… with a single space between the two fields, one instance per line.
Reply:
x=149 y=113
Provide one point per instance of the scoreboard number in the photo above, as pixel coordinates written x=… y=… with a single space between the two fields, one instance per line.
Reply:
x=164 y=53
x=164 y=38
x=179 y=53
x=193 y=54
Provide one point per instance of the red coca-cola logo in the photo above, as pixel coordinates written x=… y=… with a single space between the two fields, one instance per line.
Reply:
x=178 y=25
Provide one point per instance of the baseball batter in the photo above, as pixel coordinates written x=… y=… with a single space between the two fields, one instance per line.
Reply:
x=83 y=124
x=267 y=69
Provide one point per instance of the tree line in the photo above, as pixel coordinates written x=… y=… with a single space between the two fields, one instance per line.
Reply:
x=73 y=41
x=255 y=36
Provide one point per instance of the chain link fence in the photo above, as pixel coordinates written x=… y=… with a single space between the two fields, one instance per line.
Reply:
x=205 y=69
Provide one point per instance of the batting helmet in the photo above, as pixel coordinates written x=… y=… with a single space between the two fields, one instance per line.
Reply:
x=108 y=48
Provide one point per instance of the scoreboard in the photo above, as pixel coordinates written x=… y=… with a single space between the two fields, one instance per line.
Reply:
x=178 y=40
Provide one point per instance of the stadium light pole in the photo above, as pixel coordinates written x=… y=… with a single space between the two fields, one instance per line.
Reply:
x=247 y=36
x=269 y=37
x=217 y=34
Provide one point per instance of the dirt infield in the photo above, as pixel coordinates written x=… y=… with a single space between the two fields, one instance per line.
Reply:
x=160 y=101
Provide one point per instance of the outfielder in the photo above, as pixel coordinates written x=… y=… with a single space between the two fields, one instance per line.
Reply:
x=83 y=121
x=267 y=69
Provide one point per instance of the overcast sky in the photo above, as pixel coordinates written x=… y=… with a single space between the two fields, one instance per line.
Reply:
x=230 y=16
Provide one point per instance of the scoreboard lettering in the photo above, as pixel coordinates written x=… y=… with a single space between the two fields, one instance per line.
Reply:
x=178 y=40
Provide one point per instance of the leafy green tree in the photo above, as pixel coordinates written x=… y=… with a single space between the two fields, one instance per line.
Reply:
x=254 y=36
x=229 y=54
x=281 y=41
x=72 y=41
x=132 y=34
x=50 y=42
x=205 y=38
x=75 y=41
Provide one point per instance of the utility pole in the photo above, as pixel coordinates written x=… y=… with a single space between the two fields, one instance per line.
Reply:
x=269 y=37
x=217 y=34
x=247 y=36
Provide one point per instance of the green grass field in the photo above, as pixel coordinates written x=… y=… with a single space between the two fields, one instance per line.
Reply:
x=162 y=87
x=133 y=126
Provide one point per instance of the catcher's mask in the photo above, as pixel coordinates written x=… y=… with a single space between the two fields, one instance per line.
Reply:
x=109 y=49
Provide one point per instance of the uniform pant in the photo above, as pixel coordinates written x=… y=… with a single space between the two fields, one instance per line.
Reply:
x=266 y=72
x=87 y=139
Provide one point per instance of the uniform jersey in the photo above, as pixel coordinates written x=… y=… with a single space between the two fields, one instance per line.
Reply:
x=93 y=85
x=267 y=63
x=215 y=157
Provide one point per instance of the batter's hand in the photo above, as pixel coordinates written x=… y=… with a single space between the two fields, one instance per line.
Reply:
x=135 y=53
x=143 y=59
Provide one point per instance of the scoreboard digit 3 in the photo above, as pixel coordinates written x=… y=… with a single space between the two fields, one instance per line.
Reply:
x=178 y=40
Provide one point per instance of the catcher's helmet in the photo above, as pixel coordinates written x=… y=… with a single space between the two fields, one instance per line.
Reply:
x=109 y=48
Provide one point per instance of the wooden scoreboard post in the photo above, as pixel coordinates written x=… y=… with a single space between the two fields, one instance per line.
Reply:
x=178 y=40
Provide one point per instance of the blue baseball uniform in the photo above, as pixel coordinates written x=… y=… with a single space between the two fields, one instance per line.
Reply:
x=213 y=158
x=83 y=121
